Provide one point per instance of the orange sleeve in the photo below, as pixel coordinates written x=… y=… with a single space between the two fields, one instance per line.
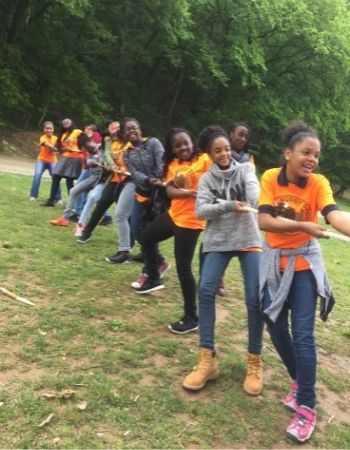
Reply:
x=267 y=187
x=324 y=194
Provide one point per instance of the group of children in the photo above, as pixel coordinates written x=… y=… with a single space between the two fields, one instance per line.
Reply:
x=211 y=185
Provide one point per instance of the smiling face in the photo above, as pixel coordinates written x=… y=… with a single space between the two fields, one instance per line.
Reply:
x=48 y=129
x=182 y=146
x=302 y=159
x=220 y=152
x=239 y=138
x=132 y=132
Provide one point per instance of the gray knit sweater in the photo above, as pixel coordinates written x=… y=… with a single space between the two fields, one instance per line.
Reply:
x=227 y=230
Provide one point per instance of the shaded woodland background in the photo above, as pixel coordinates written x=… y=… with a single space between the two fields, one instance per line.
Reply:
x=182 y=62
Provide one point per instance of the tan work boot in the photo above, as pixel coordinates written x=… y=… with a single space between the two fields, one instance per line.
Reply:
x=206 y=369
x=253 y=383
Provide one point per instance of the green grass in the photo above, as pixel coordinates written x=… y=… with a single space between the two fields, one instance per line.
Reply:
x=89 y=332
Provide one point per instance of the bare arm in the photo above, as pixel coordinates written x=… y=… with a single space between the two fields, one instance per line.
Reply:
x=281 y=225
x=340 y=220
x=174 y=192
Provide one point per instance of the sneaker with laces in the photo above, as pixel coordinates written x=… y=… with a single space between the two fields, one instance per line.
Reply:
x=120 y=257
x=184 y=325
x=59 y=202
x=32 y=199
x=140 y=281
x=106 y=220
x=60 y=221
x=84 y=238
x=290 y=400
x=149 y=286
x=79 y=230
x=163 y=267
x=302 y=425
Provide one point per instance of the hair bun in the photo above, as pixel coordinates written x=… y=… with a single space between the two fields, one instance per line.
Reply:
x=289 y=135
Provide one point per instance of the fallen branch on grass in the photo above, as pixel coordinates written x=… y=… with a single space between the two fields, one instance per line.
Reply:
x=16 y=297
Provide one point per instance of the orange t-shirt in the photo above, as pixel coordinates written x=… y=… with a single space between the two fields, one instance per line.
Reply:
x=186 y=174
x=45 y=154
x=299 y=202
x=71 y=140
x=117 y=150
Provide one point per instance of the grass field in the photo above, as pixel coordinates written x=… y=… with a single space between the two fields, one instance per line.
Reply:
x=98 y=362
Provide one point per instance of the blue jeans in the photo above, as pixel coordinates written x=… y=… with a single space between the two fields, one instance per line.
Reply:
x=214 y=266
x=40 y=168
x=92 y=198
x=298 y=351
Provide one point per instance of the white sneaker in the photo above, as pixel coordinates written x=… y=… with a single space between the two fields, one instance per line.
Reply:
x=32 y=199
x=59 y=202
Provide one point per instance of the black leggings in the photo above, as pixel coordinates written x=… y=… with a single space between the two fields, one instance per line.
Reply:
x=185 y=240
x=109 y=195
x=55 y=185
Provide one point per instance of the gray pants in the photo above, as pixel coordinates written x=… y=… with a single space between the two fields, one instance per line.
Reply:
x=123 y=213
x=83 y=186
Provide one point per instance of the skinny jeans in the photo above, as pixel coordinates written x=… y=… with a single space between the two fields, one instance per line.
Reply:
x=297 y=347
x=213 y=267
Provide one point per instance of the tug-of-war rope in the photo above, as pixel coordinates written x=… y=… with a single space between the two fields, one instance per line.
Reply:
x=326 y=234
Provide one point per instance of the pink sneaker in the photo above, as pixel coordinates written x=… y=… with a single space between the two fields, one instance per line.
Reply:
x=163 y=267
x=290 y=400
x=140 y=281
x=79 y=230
x=302 y=425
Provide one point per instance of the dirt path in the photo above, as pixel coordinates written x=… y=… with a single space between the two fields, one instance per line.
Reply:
x=13 y=164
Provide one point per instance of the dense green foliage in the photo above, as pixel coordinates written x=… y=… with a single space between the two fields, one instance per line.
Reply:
x=189 y=62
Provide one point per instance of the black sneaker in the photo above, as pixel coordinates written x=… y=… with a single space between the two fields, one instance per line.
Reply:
x=84 y=238
x=120 y=257
x=73 y=218
x=106 y=220
x=140 y=258
x=48 y=202
x=184 y=326
x=149 y=286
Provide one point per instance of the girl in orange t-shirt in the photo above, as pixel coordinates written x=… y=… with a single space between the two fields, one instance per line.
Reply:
x=70 y=164
x=46 y=160
x=183 y=168
x=292 y=274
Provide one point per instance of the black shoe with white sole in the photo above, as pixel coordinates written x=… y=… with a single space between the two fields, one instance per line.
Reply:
x=149 y=286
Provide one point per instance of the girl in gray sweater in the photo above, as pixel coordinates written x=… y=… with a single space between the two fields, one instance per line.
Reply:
x=224 y=193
